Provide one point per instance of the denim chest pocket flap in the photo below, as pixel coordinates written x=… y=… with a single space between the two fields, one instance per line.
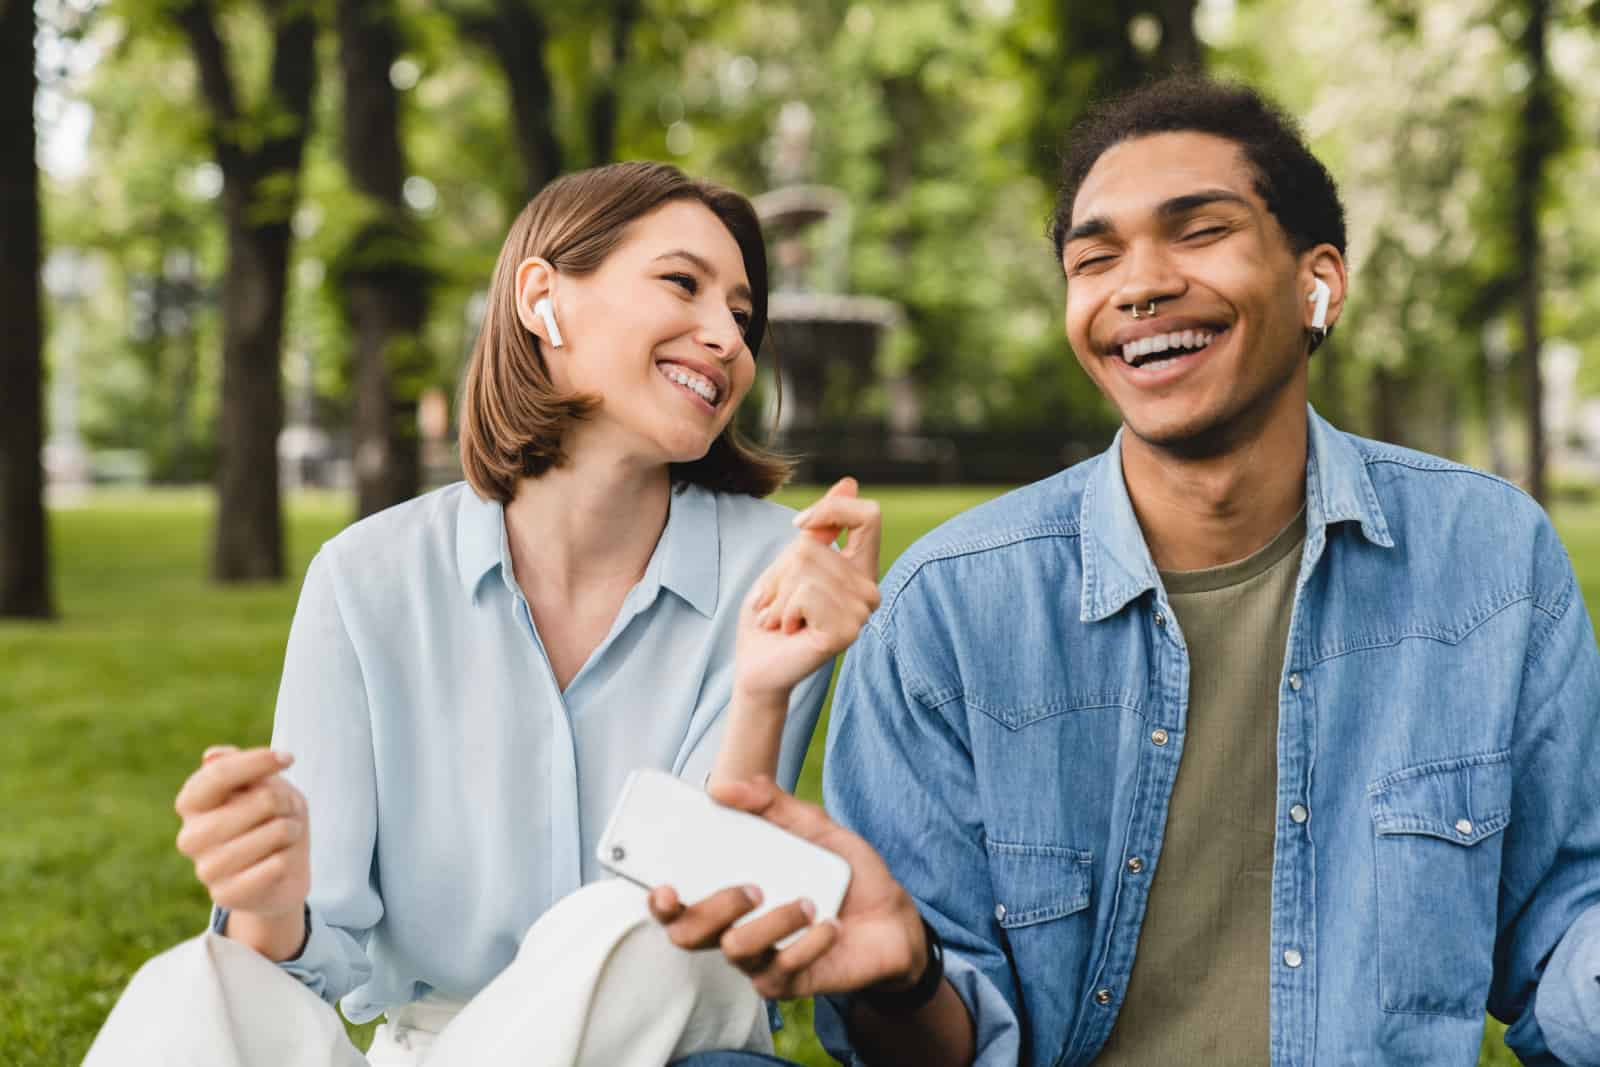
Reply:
x=1037 y=883
x=1460 y=800
x=1436 y=878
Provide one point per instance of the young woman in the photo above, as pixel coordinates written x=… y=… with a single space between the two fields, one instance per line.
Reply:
x=471 y=676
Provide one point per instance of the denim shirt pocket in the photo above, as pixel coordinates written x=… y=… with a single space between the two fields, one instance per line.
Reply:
x=1436 y=872
x=1042 y=895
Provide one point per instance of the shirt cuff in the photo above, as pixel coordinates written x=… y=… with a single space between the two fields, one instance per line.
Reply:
x=1567 y=1005
x=998 y=1037
x=322 y=966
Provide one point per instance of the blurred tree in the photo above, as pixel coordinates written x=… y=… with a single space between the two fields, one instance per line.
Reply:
x=382 y=279
x=259 y=151
x=613 y=40
x=24 y=546
x=1540 y=135
x=1095 y=49
x=516 y=34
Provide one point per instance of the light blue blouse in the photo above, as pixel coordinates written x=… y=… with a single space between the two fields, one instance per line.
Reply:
x=455 y=791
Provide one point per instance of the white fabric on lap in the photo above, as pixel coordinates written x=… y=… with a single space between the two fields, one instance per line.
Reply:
x=596 y=983
x=217 y=1002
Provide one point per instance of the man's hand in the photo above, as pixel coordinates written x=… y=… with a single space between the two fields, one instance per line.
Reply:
x=877 y=939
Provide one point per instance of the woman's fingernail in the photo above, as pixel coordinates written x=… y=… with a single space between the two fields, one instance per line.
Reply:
x=801 y=517
x=284 y=758
x=217 y=750
x=808 y=909
x=753 y=894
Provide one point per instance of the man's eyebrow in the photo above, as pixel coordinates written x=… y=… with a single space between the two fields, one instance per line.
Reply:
x=1177 y=206
x=1182 y=205
x=704 y=266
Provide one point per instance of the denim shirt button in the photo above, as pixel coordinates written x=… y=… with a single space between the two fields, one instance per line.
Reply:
x=1299 y=813
x=1160 y=619
x=1158 y=737
x=1292 y=957
x=1000 y=913
x=1102 y=997
x=1463 y=827
x=1294 y=682
x=1135 y=865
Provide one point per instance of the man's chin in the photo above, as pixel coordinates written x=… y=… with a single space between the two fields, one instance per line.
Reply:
x=1194 y=438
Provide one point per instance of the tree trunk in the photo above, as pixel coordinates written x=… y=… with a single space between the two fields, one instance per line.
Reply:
x=24 y=546
x=1180 y=46
x=1539 y=136
x=517 y=36
x=384 y=302
x=603 y=102
x=249 y=531
x=261 y=187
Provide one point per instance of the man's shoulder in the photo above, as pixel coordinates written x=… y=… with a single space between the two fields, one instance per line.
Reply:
x=1043 y=511
x=1422 y=484
x=1463 y=524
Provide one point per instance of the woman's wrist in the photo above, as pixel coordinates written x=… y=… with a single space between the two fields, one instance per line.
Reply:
x=756 y=700
x=278 y=936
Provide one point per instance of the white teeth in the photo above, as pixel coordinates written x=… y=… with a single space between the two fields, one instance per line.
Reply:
x=1187 y=340
x=696 y=384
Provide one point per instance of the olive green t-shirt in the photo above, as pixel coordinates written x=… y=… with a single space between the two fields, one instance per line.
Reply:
x=1198 y=992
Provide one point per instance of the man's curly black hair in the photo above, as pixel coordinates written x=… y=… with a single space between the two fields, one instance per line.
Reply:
x=1296 y=187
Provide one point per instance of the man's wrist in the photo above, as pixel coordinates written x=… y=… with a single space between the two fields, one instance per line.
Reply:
x=908 y=994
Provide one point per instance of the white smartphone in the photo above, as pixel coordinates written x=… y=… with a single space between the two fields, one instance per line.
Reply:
x=664 y=831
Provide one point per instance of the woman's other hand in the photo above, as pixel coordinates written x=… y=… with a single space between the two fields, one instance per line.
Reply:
x=811 y=602
x=248 y=833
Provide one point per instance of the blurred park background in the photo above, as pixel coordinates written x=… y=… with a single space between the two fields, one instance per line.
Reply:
x=243 y=254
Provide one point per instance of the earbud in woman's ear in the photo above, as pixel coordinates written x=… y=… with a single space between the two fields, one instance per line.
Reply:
x=548 y=313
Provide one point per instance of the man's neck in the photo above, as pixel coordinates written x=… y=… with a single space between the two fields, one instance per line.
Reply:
x=1205 y=512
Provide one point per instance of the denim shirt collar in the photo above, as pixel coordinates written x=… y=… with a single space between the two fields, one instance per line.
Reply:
x=687 y=559
x=1116 y=562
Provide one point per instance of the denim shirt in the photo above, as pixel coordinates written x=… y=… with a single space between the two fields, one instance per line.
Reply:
x=1008 y=728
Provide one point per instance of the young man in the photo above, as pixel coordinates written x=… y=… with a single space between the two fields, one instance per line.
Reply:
x=1246 y=742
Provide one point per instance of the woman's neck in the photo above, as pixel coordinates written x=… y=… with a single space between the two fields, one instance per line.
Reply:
x=586 y=525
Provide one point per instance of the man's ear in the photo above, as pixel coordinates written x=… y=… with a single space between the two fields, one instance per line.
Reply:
x=535 y=281
x=1323 y=263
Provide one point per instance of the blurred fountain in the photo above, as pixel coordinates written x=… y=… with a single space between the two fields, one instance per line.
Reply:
x=827 y=340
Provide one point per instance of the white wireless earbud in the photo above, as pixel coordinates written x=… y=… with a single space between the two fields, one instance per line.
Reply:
x=548 y=314
x=1319 y=296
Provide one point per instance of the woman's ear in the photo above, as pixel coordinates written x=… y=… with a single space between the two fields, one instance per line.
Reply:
x=535 y=282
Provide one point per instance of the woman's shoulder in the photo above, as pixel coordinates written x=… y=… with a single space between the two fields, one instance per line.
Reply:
x=408 y=539
x=763 y=526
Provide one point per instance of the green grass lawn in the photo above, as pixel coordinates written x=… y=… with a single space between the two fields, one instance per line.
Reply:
x=107 y=711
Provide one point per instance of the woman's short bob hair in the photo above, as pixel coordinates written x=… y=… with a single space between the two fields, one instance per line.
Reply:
x=512 y=415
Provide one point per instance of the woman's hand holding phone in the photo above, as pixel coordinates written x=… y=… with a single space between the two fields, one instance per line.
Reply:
x=248 y=832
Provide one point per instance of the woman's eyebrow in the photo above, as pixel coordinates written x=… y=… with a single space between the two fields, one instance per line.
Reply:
x=704 y=266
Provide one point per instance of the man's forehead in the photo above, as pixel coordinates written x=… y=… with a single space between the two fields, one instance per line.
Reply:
x=1137 y=176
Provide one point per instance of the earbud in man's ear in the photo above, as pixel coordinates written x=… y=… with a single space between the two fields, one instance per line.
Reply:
x=548 y=314
x=1319 y=296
